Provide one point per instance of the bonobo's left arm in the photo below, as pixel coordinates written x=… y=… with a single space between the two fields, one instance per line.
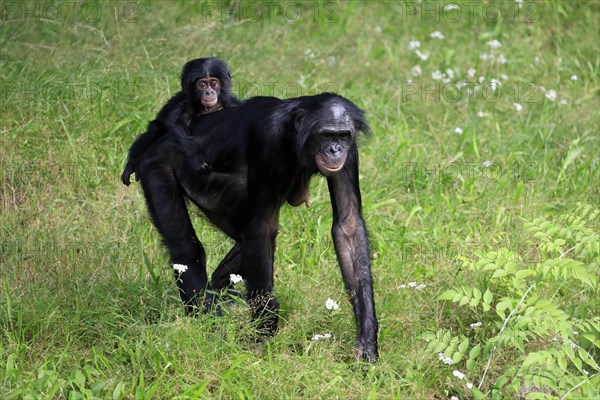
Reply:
x=352 y=249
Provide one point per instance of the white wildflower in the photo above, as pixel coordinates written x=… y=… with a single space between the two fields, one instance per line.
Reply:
x=485 y=56
x=422 y=56
x=402 y=286
x=575 y=333
x=585 y=372
x=421 y=286
x=412 y=284
x=330 y=304
x=471 y=72
x=518 y=107
x=450 y=73
x=551 y=95
x=562 y=102
x=449 y=7
x=495 y=84
x=475 y=325
x=469 y=385
x=519 y=3
x=458 y=131
x=536 y=59
x=453 y=398
x=414 y=44
x=501 y=59
x=461 y=84
x=318 y=336
x=437 y=35
x=481 y=79
x=444 y=359
x=437 y=75
x=416 y=70
x=235 y=278
x=458 y=374
x=180 y=268
x=574 y=78
x=494 y=44
x=481 y=114
x=487 y=164
x=504 y=77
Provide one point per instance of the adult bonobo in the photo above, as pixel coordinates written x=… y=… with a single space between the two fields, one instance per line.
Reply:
x=262 y=153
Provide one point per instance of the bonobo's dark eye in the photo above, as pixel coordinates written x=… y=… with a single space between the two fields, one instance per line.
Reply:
x=344 y=134
x=201 y=84
x=214 y=83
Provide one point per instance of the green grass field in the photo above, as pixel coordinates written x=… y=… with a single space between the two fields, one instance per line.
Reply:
x=478 y=130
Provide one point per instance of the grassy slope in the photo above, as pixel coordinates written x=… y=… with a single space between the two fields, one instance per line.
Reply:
x=77 y=298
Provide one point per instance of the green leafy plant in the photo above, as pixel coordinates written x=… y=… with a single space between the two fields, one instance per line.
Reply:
x=534 y=339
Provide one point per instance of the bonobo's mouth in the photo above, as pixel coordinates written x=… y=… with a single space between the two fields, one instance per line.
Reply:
x=329 y=167
x=210 y=101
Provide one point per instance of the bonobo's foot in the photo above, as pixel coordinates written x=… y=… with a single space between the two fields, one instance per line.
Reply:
x=205 y=302
x=366 y=352
x=265 y=311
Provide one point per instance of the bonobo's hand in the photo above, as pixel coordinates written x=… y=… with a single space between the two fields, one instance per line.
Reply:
x=205 y=168
x=129 y=169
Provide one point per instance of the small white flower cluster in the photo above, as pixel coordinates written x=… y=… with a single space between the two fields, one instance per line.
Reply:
x=449 y=7
x=461 y=376
x=416 y=70
x=458 y=131
x=445 y=77
x=518 y=107
x=235 y=278
x=495 y=84
x=493 y=45
x=414 y=45
x=180 y=268
x=444 y=359
x=471 y=72
x=487 y=163
x=437 y=35
x=552 y=95
x=475 y=325
x=318 y=336
x=330 y=304
x=413 y=285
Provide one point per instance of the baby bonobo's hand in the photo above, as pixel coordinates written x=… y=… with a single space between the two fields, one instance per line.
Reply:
x=205 y=168
x=129 y=169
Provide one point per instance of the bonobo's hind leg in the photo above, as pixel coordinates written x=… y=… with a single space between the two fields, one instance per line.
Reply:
x=169 y=214
x=231 y=264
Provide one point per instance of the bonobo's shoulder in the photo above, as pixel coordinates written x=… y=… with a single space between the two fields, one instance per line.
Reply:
x=176 y=104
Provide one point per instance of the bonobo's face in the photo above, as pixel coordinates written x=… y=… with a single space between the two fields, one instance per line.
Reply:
x=208 y=90
x=332 y=139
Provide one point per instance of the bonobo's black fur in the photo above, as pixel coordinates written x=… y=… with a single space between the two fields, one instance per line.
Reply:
x=263 y=153
x=175 y=116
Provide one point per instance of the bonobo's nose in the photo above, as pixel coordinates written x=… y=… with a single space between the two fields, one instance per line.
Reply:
x=335 y=149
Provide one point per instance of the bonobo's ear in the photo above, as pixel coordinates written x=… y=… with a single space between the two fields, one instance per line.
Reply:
x=361 y=123
x=299 y=115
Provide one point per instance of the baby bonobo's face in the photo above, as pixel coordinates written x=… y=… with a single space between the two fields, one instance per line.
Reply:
x=208 y=90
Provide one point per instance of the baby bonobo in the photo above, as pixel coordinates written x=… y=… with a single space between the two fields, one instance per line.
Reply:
x=205 y=88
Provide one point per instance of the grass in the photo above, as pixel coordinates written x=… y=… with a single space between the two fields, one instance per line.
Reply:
x=88 y=307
